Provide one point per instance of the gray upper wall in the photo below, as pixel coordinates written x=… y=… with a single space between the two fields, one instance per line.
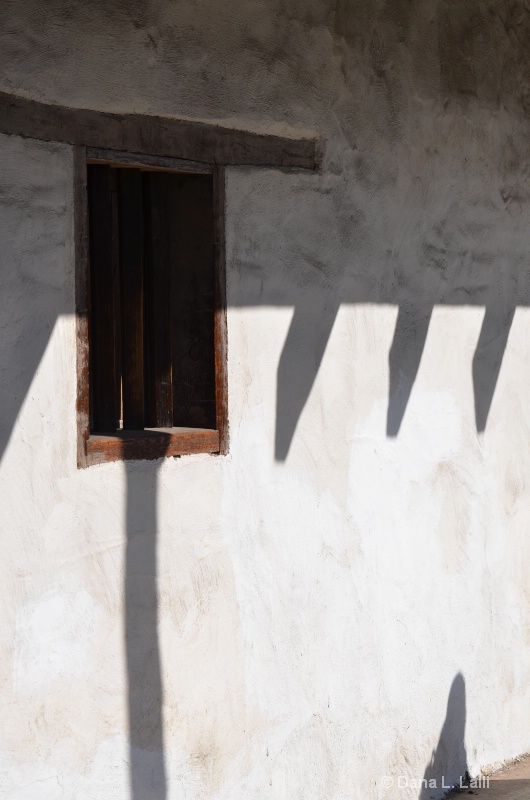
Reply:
x=292 y=62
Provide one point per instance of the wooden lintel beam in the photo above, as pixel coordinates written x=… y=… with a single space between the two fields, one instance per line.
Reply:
x=156 y=136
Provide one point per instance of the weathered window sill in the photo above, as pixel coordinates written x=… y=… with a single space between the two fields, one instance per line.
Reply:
x=150 y=443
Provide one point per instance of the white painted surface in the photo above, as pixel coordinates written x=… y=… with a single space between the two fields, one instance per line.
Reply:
x=314 y=609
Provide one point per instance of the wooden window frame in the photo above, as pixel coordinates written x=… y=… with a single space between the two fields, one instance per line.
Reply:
x=151 y=443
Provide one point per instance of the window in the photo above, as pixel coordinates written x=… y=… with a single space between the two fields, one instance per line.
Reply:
x=155 y=317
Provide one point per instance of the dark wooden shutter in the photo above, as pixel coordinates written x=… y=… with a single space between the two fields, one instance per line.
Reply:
x=130 y=194
x=158 y=266
x=152 y=310
x=192 y=301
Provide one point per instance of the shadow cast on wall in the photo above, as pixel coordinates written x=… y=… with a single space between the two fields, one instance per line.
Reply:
x=448 y=764
x=144 y=673
x=475 y=54
x=406 y=351
x=308 y=337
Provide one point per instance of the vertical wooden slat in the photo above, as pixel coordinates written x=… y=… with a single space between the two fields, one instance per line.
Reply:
x=220 y=324
x=132 y=296
x=159 y=395
x=116 y=298
x=101 y=321
x=192 y=301
x=81 y=301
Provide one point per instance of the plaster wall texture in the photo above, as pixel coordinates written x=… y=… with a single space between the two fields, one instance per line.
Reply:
x=344 y=596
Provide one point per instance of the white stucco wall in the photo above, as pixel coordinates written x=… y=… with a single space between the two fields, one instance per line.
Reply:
x=322 y=587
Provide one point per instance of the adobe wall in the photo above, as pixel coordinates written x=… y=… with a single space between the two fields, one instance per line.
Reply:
x=347 y=591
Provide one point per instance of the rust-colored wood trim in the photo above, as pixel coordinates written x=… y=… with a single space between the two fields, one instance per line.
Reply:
x=220 y=327
x=81 y=300
x=150 y=444
x=154 y=136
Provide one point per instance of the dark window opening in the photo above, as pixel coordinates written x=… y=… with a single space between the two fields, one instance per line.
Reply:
x=152 y=323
